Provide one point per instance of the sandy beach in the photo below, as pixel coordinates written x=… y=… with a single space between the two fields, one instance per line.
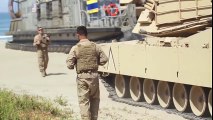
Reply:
x=19 y=72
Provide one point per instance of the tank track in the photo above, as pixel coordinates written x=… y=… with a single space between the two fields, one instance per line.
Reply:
x=129 y=101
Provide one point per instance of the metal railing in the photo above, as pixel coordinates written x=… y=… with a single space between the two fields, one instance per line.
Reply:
x=102 y=19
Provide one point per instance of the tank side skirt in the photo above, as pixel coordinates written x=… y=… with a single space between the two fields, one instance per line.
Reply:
x=162 y=63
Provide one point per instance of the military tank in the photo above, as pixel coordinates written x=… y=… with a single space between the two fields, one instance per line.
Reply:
x=104 y=19
x=170 y=67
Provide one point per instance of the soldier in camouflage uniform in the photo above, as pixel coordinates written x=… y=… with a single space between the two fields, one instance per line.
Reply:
x=86 y=56
x=41 y=41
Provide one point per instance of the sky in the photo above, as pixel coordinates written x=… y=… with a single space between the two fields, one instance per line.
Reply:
x=4 y=5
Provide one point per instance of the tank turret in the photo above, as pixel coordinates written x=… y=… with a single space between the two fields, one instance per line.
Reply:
x=172 y=18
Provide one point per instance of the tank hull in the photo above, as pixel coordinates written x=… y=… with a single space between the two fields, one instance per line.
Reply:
x=168 y=62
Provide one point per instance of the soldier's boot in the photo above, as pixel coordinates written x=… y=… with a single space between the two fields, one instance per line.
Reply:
x=43 y=74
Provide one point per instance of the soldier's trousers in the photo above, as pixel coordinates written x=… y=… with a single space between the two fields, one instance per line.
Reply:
x=43 y=59
x=88 y=97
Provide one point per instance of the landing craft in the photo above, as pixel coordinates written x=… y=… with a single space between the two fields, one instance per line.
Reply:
x=103 y=18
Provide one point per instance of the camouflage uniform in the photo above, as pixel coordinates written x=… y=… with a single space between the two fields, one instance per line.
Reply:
x=42 y=42
x=86 y=60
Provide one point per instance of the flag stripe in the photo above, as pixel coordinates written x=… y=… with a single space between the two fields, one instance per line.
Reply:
x=92 y=6
x=93 y=11
x=91 y=1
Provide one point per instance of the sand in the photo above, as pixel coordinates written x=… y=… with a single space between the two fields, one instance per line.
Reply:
x=19 y=72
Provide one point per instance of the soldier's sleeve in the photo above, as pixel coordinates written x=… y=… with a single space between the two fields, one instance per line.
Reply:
x=36 y=41
x=71 y=59
x=102 y=56
x=47 y=38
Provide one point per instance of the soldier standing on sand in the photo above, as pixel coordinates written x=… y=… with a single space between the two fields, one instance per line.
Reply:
x=41 y=41
x=86 y=56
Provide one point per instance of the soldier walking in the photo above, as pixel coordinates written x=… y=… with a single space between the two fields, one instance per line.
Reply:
x=86 y=56
x=41 y=41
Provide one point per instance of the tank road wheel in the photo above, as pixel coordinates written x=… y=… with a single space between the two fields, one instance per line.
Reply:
x=135 y=88
x=164 y=94
x=149 y=91
x=210 y=102
x=121 y=86
x=197 y=99
x=180 y=97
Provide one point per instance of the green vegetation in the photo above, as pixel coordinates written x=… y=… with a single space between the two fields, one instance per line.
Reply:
x=61 y=101
x=25 y=107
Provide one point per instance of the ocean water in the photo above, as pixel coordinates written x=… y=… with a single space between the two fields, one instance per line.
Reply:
x=4 y=26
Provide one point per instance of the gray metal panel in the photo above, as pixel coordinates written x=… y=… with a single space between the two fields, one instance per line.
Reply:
x=75 y=13
x=66 y=20
x=29 y=20
x=71 y=13
x=56 y=9
x=43 y=10
x=56 y=22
